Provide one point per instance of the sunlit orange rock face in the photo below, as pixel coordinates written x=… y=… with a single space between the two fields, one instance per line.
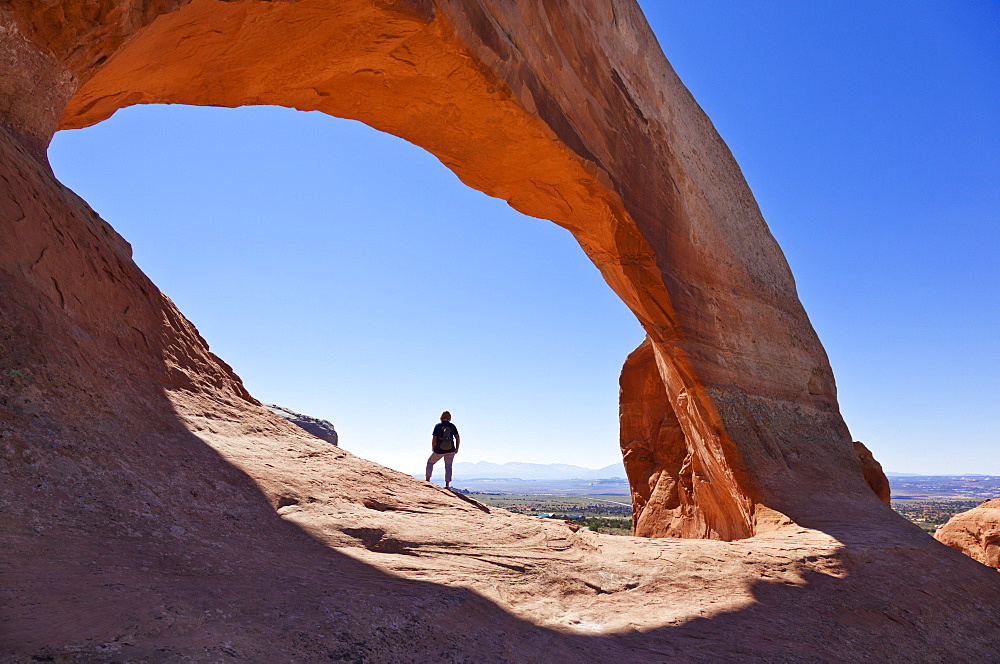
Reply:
x=975 y=533
x=872 y=471
x=153 y=510
x=672 y=495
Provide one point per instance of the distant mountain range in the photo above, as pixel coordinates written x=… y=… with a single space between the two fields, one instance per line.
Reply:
x=536 y=471
x=566 y=479
x=892 y=474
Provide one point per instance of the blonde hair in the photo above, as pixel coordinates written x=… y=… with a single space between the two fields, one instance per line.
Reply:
x=446 y=416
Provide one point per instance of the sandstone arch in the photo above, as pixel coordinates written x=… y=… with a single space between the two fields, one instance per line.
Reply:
x=596 y=134
x=152 y=510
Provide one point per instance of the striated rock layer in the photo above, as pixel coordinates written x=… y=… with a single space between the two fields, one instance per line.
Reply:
x=153 y=510
x=975 y=533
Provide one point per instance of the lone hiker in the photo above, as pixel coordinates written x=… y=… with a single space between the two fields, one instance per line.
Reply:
x=444 y=443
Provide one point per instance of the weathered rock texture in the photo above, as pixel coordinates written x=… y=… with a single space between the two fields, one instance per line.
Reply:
x=873 y=473
x=153 y=510
x=975 y=533
x=322 y=429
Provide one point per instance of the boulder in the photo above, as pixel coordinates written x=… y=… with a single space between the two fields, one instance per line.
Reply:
x=322 y=429
x=975 y=533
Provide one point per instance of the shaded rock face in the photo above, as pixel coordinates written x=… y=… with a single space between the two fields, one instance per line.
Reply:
x=153 y=510
x=975 y=533
x=322 y=429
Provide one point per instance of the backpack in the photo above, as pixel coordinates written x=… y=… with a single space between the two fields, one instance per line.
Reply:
x=446 y=437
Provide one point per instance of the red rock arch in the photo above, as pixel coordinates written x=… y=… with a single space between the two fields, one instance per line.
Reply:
x=730 y=424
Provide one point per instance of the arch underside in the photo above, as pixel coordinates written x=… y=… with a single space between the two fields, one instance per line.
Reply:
x=730 y=425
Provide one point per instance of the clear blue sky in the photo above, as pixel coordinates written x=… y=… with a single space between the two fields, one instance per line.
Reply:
x=347 y=274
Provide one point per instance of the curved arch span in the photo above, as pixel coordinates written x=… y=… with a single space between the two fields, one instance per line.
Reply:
x=730 y=424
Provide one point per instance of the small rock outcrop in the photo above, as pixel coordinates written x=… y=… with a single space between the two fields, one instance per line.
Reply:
x=322 y=429
x=975 y=533
x=873 y=473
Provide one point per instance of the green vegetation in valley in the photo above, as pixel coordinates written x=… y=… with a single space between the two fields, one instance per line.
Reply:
x=613 y=514
x=602 y=514
x=609 y=526
x=930 y=514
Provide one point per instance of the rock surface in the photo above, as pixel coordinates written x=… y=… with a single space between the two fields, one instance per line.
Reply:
x=975 y=533
x=574 y=117
x=873 y=473
x=322 y=429
x=152 y=510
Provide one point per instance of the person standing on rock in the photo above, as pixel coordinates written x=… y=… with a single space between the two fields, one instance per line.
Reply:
x=444 y=445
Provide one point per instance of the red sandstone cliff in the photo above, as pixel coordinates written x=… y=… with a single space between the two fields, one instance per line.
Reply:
x=153 y=510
